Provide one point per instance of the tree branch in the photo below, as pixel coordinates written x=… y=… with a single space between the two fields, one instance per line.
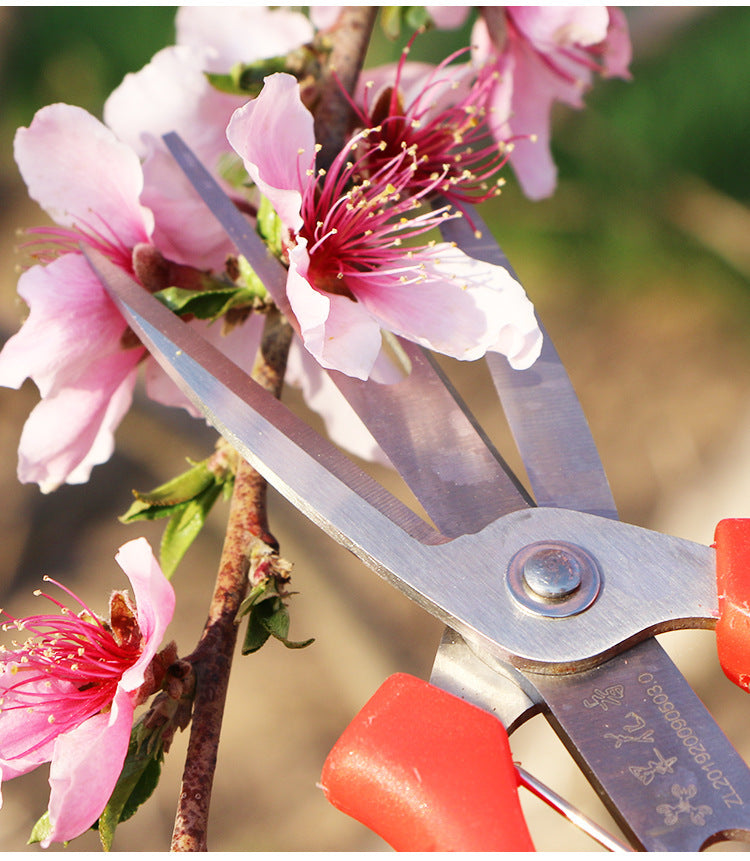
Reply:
x=247 y=528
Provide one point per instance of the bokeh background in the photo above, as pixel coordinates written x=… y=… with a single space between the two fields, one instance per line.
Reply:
x=640 y=268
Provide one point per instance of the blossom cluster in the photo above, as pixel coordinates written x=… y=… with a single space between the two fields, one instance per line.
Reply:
x=356 y=237
x=357 y=233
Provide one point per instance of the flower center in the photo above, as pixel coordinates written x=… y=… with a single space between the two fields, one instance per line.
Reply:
x=68 y=668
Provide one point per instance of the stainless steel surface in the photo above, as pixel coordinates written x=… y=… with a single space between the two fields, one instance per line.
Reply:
x=637 y=565
x=554 y=579
x=542 y=408
x=667 y=773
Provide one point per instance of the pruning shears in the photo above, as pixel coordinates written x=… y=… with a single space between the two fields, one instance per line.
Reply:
x=550 y=602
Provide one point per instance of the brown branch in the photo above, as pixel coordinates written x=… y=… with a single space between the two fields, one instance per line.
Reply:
x=334 y=115
x=247 y=528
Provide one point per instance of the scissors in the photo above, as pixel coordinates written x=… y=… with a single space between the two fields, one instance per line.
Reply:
x=551 y=604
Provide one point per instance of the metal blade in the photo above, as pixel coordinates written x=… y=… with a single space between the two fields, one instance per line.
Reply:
x=241 y=232
x=542 y=408
x=422 y=425
x=667 y=773
x=663 y=810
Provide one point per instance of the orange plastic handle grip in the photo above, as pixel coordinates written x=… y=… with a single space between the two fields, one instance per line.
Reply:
x=428 y=772
x=732 y=543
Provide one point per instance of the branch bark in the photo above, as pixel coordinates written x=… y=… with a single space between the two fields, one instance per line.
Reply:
x=247 y=527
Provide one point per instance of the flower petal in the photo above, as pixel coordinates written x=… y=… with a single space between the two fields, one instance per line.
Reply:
x=78 y=171
x=274 y=136
x=155 y=601
x=463 y=308
x=338 y=332
x=171 y=93
x=86 y=764
x=343 y=425
x=70 y=347
x=241 y=34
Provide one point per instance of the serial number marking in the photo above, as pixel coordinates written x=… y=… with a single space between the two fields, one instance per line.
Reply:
x=690 y=740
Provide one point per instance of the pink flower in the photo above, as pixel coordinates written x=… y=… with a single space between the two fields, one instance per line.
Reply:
x=439 y=112
x=70 y=345
x=75 y=345
x=172 y=94
x=350 y=275
x=68 y=694
x=543 y=55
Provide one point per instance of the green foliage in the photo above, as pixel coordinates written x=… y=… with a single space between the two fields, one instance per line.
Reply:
x=268 y=616
x=210 y=304
x=138 y=780
x=41 y=830
x=395 y=19
x=186 y=500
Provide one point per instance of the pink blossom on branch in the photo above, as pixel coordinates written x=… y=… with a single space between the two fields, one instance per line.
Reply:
x=543 y=55
x=67 y=695
x=75 y=345
x=351 y=270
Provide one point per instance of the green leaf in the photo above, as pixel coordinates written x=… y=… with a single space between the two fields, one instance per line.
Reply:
x=246 y=79
x=394 y=18
x=185 y=526
x=269 y=226
x=206 y=304
x=137 y=782
x=162 y=501
x=41 y=830
x=256 y=633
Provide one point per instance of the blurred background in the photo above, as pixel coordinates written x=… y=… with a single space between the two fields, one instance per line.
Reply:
x=640 y=268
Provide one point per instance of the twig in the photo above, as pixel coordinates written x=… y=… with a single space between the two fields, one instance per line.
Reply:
x=333 y=116
x=247 y=527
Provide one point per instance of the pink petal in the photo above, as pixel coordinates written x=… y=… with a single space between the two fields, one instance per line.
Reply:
x=71 y=431
x=548 y=28
x=325 y=17
x=463 y=309
x=85 y=767
x=618 y=51
x=70 y=347
x=78 y=171
x=339 y=333
x=274 y=136
x=241 y=34
x=343 y=425
x=71 y=323
x=155 y=602
x=171 y=94
x=448 y=17
x=186 y=231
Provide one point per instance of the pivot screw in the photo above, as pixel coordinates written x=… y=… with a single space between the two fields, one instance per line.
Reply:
x=552 y=573
x=554 y=578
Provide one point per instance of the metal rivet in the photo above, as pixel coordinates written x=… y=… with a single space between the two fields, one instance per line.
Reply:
x=554 y=578
x=552 y=572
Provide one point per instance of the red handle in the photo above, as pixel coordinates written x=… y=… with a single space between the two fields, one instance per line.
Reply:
x=732 y=543
x=428 y=772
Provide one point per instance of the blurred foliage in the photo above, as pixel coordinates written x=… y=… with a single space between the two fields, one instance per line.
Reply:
x=73 y=54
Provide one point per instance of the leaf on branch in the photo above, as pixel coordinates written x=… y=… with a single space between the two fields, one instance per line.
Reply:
x=184 y=527
x=268 y=616
x=41 y=830
x=209 y=304
x=269 y=227
x=187 y=501
x=137 y=782
x=394 y=18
